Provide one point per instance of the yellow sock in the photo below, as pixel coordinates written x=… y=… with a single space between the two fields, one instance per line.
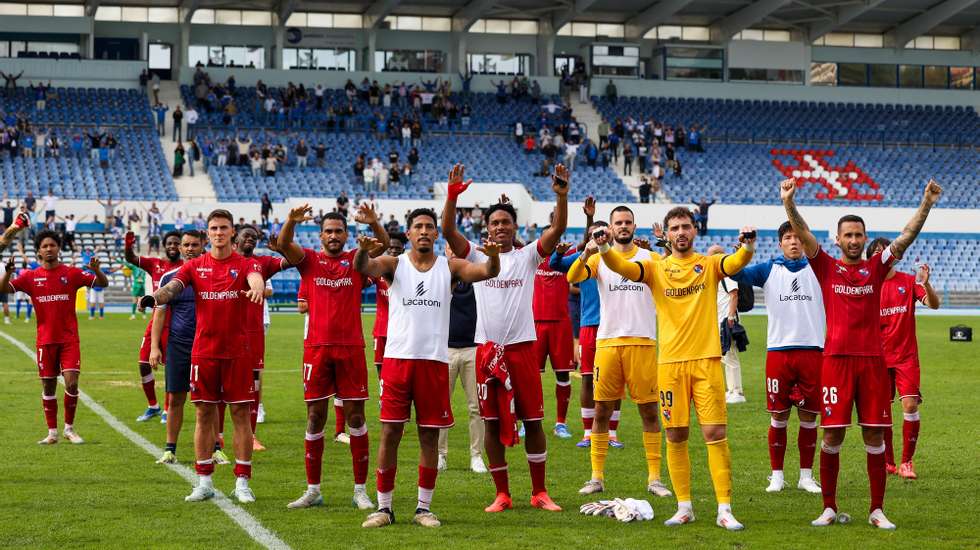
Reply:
x=679 y=467
x=720 y=465
x=600 y=446
x=651 y=445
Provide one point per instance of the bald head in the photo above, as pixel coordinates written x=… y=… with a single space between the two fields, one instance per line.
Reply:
x=715 y=249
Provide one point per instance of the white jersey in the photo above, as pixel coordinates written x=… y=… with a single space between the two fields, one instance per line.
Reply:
x=725 y=286
x=504 y=312
x=418 y=311
x=794 y=302
x=266 y=318
x=626 y=308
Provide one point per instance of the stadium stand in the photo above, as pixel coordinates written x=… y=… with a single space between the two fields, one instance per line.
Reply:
x=83 y=106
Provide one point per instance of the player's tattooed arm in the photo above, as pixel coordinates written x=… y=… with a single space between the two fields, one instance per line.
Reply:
x=787 y=189
x=560 y=182
x=456 y=186
x=911 y=230
x=470 y=272
x=287 y=247
x=8 y=272
x=156 y=334
x=589 y=210
x=373 y=267
x=366 y=215
x=163 y=295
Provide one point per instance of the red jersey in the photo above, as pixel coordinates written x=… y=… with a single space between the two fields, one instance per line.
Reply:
x=851 y=296
x=269 y=266
x=333 y=291
x=550 y=294
x=156 y=267
x=53 y=293
x=898 y=297
x=381 y=316
x=220 y=302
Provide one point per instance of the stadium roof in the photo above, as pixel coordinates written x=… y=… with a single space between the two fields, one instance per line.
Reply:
x=903 y=19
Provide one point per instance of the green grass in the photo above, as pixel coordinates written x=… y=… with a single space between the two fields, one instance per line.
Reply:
x=110 y=493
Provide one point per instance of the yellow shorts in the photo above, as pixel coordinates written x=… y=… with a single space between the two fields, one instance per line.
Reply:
x=618 y=368
x=701 y=381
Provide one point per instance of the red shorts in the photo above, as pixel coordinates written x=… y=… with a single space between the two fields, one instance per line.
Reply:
x=422 y=381
x=793 y=380
x=256 y=350
x=379 y=349
x=848 y=381
x=54 y=359
x=524 y=378
x=334 y=370
x=586 y=348
x=905 y=380
x=554 y=341
x=146 y=343
x=223 y=380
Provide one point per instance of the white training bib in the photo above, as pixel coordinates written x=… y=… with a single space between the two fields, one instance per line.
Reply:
x=418 y=311
x=794 y=303
x=626 y=308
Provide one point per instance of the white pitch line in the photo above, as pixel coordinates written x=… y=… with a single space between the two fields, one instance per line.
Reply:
x=245 y=520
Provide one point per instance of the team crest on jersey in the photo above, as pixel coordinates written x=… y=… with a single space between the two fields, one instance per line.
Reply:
x=666 y=414
x=698 y=268
x=841 y=269
x=863 y=272
x=234 y=273
x=901 y=290
x=64 y=280
x=827 y=411
x=344 y=263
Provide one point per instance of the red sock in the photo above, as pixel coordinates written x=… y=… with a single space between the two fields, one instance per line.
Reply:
x=386 y=479
x=777 y=444
x=588 y=416
x=499 y=474
x=877 y=476
x=910 y=436
x=427 y=485
x=563 y=393
x=71 y=403
x=829 y=469
x=314 y=457
x=204 y=467
x=149 y=388
x=359 y=453
x=339 y=420
x=50 y=406
x=221 y=418
x=536 y=464
x=243 y=469
x=806 y=441
x=889 y=446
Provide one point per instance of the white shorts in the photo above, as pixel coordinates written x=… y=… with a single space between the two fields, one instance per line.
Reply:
x=20 y=296
x=96 y=296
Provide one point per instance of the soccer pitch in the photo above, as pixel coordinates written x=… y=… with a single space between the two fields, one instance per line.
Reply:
x=110 y=493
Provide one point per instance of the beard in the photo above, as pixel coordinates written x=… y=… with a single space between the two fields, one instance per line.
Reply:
x=623 y=239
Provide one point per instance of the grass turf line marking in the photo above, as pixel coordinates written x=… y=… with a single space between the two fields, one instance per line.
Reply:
x=246 y=521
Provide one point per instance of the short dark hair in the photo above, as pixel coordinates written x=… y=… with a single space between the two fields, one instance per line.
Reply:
x=880 y=241
x=851 y=218
x=678 y=212
x=622 y=208
x=46 y=234
x=421 y=212
x=505 y=206
x=245 y=226
x=785 y=228
x=333 y=216
x=397 y=236
x=601 y=223
x=221 y=213
x=194 y=233
x=169 y=234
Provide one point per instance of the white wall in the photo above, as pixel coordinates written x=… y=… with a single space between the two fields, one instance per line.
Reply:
x=77 y=73
x=754 y=54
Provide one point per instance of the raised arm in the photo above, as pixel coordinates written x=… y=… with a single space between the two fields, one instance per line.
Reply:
x=580 y=269
x=128 y=251
x=559 y=261
x=589 y=209
x=287 y=247
x=20 y=223
x=787 y=189
x=366 y=214
x=911 y=230
x=373 y=267
x=472 y=272
x=615 y=261
x=456 y=241
x=8 y=272
x=733 y=263
x=560 y=182
x=931 y=299
x=100 y=279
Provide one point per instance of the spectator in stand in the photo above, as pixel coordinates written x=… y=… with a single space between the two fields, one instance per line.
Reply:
x=657 y=174
x=603 y=132
x=392 y=226
x=193 y=154
x=321 y=155
x=155 y=86
x=200 y=224
x=144 y=80
x=53 y=144
x=77 y=144
x=275 y=228
x=342 y=205
x=95 y=143
x=50 y=204
x=529 y=144
x=477 y=214
x=394 y=173
x=8 y=213
x=368 y=177
x=191 y=118
x=591 y=154
x=694 y=140
x=271 y=163
x=571 y=153
x=413 y=158
x=27 y=143
x=518 y=132
x=359 y=166
x=642 y=155
x=256 y=164
x=702 y=209
x=645 y=188
x=301 y=153
x=179 y=160
x=178 y=118
x=265 y=209
x=501 y=91
x=161 y=116
x=10 y=83
x=110 y=144
x=627 y=159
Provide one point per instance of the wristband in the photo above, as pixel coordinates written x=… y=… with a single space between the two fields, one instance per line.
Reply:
x=455 y=190
x=130 y=239
x=148 y=301
x=22 y=220
x=603 y=248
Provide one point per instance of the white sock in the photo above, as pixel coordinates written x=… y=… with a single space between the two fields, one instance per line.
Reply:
x=53 y=431
x=806 y=473
x=384 y=500
x=360 y=487
x=612 y=434
x=68 y=428
x=777 y=475
x=722 y=508
x=684 y=505
x=425 y=498
x=205 y=481
x=241 y=482
x=313 y=487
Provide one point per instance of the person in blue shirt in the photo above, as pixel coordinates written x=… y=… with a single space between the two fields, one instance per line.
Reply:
x=161 y=112
x=179 y=341
x=96 y=294
x=585 y=343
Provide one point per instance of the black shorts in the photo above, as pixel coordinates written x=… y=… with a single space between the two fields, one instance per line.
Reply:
x=178 y=367
x=4 y=298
